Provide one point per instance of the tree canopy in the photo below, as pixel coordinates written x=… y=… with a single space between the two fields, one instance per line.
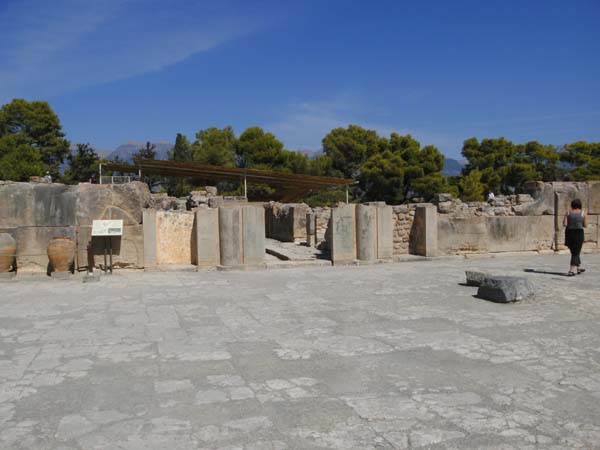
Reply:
x=31 y=140
x=182 y=150
x=215 y=146
x=395 y=168
x=505 y=167
x=83 y=164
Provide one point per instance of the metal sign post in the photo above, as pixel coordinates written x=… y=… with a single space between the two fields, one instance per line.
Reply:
x=107 y=229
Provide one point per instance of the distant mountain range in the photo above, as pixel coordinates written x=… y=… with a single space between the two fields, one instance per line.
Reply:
x=452 y=167
x=126 y=151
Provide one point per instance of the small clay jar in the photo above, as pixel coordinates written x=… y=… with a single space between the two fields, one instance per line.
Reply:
x=8 y=250
x=61 y=253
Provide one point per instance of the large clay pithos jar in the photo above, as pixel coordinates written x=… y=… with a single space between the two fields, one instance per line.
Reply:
x=61 y=253
x=8 y=250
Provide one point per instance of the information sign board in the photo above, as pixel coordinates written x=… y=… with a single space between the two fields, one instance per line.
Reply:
x=107 y=228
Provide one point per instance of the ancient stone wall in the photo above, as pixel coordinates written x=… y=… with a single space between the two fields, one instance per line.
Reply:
x=207 y=237
x=34 y=213
x=404 y=216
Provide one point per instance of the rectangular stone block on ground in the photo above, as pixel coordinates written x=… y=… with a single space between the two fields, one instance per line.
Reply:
x=253 y=235
x=505 y=289
x=207 y=237
x=343 y=234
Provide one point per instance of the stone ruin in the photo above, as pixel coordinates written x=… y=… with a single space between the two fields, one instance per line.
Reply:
x=208 y=230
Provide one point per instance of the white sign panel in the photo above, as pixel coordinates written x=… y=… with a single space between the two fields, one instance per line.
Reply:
x=107 y=228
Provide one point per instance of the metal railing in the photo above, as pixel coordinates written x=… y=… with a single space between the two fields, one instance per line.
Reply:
x=118 y=179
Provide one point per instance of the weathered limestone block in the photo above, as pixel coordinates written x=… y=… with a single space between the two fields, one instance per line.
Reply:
x=366 y=232
x=286 y=222
x=385 y=232
x=230 y=235
x=218 y=201
x=505 y=289
x=594 y=197
x=543 y=193
x=253 y=235
x=37 y=204
x=441 y=198
x=150 y=231
x=343 y=234
x=207 y=237
x=460 y=235
x=311 y=229
x=476 y=277
x=424 y=233
x=175 y=237
x=125 y=201
x=590 y=232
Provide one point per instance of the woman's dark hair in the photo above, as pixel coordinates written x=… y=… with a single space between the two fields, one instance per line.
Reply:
x=576 y=204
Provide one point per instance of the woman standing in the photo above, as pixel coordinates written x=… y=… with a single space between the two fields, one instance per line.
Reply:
x=574 y=221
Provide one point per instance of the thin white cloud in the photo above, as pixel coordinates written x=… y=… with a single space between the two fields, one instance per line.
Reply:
x=302 y=125
x=51 y=47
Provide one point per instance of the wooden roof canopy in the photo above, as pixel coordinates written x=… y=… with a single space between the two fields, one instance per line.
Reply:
x=288 y=182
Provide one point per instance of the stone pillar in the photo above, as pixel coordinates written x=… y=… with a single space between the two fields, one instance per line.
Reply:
x=426 y=232
x=385 y=232
x=366 y=232
x=311 y=229
x=230 y=235
x=343 y=235
x=208 y=251
x=557 y=221
x=149 y=231
x=253 y=235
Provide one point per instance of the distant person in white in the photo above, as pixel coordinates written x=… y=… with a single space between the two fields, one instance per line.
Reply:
x=491 y=196
x=48 y=177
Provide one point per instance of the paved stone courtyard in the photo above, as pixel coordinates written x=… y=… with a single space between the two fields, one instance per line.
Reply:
x=392 y=356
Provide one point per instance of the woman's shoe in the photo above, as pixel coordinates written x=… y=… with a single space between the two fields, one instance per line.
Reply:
x=570 y=274
x=580 y=271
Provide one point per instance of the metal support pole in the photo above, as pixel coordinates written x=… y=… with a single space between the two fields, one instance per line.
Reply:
x=105 y=266
x=100 y=170
x=110 y=248
x=347 y=194
x=245 y=186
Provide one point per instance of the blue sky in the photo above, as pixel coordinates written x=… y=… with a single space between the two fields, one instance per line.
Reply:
x=119 y=70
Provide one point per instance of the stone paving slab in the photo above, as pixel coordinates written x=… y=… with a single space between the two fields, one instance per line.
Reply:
x=395 y=356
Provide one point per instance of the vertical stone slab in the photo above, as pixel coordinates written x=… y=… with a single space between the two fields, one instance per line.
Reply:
x=557 y=222
x=311 y=229
x=366 y=232
x=426 y=230
x=594 y=197
x=208 y=252
x=253 y=235
x=343 y=234
x=230 y=235
x=149 y=231
x=385 y=232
